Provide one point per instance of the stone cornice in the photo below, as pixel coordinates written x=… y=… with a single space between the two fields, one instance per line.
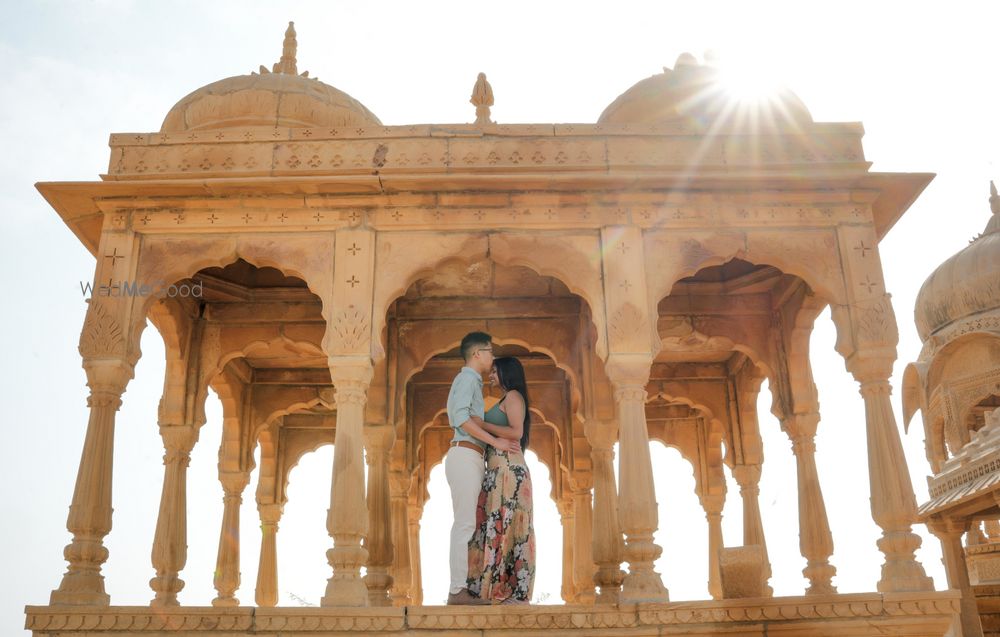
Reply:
x=899 y=613
x=477 y=202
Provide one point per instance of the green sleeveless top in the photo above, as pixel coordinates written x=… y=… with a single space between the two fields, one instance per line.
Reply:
x=496 y=417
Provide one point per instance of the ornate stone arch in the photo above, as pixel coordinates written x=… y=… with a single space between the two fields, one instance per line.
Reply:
x=573 y=260
x=671 y=258
x=170 y=258
x=449 y=343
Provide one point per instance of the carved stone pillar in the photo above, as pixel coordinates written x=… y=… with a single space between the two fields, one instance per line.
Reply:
x=227 y=564
x=416 y=577
x=866 y=337
x=89 y=517
x=893 y=504
x=637 y=501
x=607 y=544
x=378 y=441
x=583 y=572
x=949 y=532
x=401 y=572
x=347 y=519
x=713 y=505
x=748 y=477
x=567 y=515
x=267 y=568
x=170 y=540
x=815 y=539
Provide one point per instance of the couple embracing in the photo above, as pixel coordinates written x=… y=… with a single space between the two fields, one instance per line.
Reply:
x=492 y=555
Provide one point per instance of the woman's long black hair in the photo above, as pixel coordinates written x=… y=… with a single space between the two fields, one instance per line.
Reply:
x=510 y=373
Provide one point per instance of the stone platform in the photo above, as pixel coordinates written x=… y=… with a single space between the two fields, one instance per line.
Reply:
x=923 y=614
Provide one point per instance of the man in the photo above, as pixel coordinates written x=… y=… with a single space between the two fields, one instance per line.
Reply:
x=464 y=466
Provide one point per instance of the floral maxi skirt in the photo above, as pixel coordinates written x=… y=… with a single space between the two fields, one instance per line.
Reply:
x=502 y=549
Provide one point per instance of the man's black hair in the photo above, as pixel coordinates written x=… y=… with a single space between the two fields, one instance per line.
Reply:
x=474 y=341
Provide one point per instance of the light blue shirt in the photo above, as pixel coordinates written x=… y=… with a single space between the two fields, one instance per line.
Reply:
x=464 y=401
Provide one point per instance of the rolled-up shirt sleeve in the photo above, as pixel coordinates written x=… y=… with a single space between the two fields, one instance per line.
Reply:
x=460 y=400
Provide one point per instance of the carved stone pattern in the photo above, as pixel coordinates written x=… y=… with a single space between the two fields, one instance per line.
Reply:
x=988 y=570
x=866 y=607
x=101 y=336
x=350 y=331
x=877 y=323
x=979 y=324
x=628 y=324
x=635 y=394
x=942 y=485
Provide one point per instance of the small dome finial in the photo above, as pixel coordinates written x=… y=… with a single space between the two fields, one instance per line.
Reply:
x=482 y=99
x=287 y=64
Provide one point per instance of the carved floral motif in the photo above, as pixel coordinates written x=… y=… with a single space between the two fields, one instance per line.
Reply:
x=101 y=336
x=877 y=323
x=350 y=331
x=628 y=325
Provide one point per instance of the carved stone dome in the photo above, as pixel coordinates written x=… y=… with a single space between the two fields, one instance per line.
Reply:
x=695 y=92
x=280 y=97
x=965 y=284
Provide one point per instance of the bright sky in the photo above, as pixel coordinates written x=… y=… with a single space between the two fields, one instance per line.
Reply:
x=922 y=80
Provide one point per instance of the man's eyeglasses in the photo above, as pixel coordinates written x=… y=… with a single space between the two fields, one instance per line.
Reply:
x=485 y=349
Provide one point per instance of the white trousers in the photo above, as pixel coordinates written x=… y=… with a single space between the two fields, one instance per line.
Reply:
x=464 y=469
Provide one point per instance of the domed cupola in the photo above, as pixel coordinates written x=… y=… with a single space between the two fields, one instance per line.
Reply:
x=280 y=97
x=967 y=283
x=695 y=93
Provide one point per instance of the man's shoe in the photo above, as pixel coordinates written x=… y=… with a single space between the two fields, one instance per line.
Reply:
x=465 y=598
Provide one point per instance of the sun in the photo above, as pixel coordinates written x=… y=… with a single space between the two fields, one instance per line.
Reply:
x=749 y=79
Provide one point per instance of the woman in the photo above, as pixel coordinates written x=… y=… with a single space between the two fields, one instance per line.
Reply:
x=502 y=550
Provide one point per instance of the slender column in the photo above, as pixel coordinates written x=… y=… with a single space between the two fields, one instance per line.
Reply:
x=713 y=513
x=170 y=541
x=567 y=516
x=378 y=442
x=607 y=544
x=89 y=517
x=227 y=564
x=893 y=504
x=583 y=572
x=949 y=532
x=267 y=568
x=347 y=519
x=637 y=502
x=815 y=539
x=416 y=581
x=748 y=477
x=402 y=576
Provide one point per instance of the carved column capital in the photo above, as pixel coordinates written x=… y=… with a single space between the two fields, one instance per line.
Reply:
x=399 y=484
x=379 y=438
x=234 y=482
x=946 y=527
x=713 y=504
x=629 y=371
x=747 y=475
x=178 y=441
x=107 y=379
x=270 y=513
x=800 y=425
x=601 y=434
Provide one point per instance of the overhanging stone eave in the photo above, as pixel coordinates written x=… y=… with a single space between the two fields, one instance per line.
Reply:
x=896 y=193
x=81 y=204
